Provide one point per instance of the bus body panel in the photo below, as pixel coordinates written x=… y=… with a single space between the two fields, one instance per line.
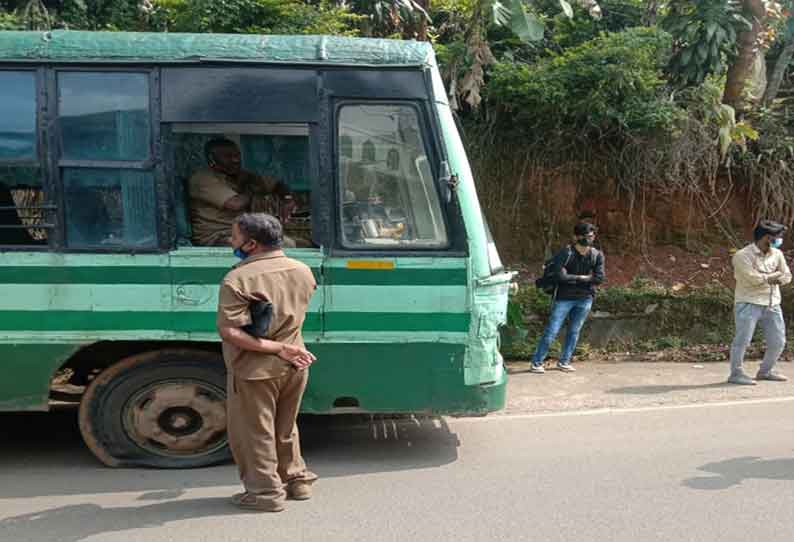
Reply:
x=489 y=283
x=394 y=339
x=28 y=368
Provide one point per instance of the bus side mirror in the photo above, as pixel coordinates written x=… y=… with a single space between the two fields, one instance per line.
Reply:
x=448 y=181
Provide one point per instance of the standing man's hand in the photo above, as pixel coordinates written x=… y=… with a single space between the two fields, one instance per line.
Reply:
x=297 y=356
x=578 y=278
x=774 y=278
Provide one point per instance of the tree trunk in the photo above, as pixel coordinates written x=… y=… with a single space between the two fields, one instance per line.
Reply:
x=779 y=71
x=651 y=12
x=421 y=31
x=742 y=68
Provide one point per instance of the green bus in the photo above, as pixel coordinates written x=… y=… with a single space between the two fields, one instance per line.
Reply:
x=106 y=300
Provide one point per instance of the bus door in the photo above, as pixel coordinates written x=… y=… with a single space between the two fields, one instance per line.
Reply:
x=396 y=304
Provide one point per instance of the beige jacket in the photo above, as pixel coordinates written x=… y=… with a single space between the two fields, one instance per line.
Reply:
x=209 y=191
x=753 y=270
x=288 y=284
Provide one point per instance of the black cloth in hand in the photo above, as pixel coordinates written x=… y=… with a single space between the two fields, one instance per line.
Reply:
x=261 y=316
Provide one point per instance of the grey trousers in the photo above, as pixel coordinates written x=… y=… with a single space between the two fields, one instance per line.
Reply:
x=747 y=316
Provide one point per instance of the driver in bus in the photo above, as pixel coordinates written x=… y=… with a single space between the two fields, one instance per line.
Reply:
x=223 y=190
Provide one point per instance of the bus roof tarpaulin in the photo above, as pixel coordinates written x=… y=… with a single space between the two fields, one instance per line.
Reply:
x=79 y=46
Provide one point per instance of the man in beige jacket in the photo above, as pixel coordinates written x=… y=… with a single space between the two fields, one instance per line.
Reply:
x=224 y=190
x=760 y=269
x=266 y=376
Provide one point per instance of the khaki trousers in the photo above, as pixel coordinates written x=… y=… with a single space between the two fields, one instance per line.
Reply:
x=263 y=436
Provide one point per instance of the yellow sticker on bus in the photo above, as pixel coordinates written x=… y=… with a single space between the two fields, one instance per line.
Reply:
x=370 y=264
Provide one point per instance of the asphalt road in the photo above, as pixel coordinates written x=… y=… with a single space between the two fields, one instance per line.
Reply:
x=719 y=472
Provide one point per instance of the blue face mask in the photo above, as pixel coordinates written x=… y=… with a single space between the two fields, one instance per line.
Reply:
x=240 y=253
x=777 y=242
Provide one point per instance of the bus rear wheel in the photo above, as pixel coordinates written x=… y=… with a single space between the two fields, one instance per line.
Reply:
x=162 y=409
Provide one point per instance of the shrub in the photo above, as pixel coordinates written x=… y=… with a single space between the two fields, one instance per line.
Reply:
x=610 y=85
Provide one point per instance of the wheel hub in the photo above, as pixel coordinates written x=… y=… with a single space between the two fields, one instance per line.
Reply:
x=177 y=418
x=180 y=421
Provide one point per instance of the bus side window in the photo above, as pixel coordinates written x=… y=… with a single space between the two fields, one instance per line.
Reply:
x=280 y=152
x=22 y=214
x=105 y=117
x=389 y=195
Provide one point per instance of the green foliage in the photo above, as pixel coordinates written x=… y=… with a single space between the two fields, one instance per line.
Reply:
x=464 y=7
x=25 y=15
x=513 y=14
x=617 y=15
x=610 y=85
x=765 y=165
x=98 y=15
x=11 y=21
x=223 y=16
x=515 y=317
x=705 y=32
x=386 y=18
x=252 y=16
x=776 y=137
x=703 y=104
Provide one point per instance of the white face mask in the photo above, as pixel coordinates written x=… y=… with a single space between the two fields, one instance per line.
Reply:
x=776 y=242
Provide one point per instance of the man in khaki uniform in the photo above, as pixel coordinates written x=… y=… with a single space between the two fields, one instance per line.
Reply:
x=266 y=377
x=223 y=190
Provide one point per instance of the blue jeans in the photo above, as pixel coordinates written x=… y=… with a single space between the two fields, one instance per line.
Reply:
x=575 y=311
x=747 y=316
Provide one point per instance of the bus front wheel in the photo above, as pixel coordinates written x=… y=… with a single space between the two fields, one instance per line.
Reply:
x=162 y=409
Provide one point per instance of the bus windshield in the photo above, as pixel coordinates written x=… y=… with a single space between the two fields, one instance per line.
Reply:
x=389 y=196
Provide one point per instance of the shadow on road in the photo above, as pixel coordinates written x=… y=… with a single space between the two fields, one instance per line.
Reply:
x=77 y=522
x=42 y=451
x=659 y=389
x=732 y=472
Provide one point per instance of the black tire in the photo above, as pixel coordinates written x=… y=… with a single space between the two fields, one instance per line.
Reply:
x=164 y=409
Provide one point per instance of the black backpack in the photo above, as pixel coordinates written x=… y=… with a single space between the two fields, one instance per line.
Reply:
x=548 y=281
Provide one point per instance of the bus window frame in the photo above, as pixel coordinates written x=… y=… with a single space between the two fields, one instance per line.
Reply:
x=39 y=160
x=457 y=232
x=300 y=129
x=153 y=163
x=431 y=143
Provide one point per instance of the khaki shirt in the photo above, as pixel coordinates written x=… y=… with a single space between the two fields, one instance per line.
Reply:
x=209 y=190
x=286 y=283
x=752 y=269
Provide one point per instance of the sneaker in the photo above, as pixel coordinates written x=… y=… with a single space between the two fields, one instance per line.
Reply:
x=250 y=501
x=566 y=368
x=540 y=369
x=771 y=375
x=299 y=491
x=741 y=378
x=237 y=497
